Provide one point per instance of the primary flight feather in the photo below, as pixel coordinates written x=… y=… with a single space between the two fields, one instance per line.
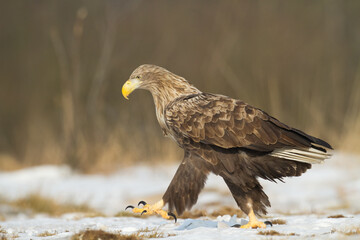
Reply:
x=225 y=136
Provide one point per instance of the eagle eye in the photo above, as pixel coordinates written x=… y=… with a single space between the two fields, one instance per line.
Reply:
x=138 y=77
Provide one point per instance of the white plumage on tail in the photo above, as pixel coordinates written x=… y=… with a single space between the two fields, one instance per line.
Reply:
x=307 y=155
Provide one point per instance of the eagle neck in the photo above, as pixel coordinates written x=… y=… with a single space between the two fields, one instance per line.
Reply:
x=164 y=94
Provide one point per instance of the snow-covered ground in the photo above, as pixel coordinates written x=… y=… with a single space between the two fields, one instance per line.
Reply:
x=304 y=203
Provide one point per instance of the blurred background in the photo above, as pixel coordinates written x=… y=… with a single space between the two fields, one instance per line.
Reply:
x=63 y=63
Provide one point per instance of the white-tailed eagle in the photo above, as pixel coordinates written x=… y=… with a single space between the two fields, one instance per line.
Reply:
x=225 y=136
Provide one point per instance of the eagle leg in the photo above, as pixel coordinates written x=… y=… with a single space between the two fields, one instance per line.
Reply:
x=253 y=222
x=155 y=209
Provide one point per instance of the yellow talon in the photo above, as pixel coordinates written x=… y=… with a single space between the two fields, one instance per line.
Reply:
x=253 y=222
x=153 y=209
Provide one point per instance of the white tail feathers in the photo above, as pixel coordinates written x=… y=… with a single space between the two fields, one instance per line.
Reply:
x=306 y=155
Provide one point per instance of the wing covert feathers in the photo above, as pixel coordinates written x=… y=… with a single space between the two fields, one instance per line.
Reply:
x=228 y=123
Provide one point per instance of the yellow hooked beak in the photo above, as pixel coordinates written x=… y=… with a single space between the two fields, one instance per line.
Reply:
x=129 y=86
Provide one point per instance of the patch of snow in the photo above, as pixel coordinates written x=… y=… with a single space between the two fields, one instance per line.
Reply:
x=302 y=226
x=303 y=202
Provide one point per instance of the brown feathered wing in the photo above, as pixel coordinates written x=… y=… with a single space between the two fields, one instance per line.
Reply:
x=228 y=123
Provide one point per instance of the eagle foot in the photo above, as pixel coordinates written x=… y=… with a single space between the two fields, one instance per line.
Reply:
x=254 y=224
x=154 y=209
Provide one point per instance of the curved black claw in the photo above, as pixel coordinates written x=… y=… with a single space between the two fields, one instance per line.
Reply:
x=143 y=212
x=130 y=206
x=172 y=215
x=268 y=223
x=142 y=202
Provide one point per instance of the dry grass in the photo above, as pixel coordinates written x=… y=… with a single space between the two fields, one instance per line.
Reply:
x=39 y=204
x=353 y=232
x=100 y=234
x=130 y=214
x=350 y=232
x=278 y=221
x=145 y=233
x=152 y=233
x=275 y=233
x=337 y=216
x=2 y=234
x=193 y=214
x=46 y=234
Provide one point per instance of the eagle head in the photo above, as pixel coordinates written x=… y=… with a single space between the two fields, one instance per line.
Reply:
x=162 y=83
x=143 y=77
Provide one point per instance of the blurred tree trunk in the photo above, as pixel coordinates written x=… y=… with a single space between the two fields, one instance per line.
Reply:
x=83 y=124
